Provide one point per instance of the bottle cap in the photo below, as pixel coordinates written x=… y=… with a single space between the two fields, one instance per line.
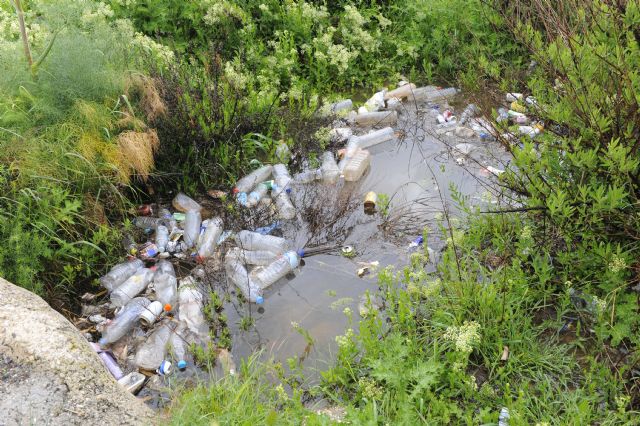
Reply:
x=167 y=307
x=165 y=368
x=151 y=313
x=102 y=341
x=242 y=198
x=293 y=258
x=259 y=300
x=301 y=253
x=182 y=364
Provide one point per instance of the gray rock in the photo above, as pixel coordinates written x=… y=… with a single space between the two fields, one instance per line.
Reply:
x=50 y=375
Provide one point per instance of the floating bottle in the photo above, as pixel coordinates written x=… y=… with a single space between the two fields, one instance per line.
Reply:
x=133 y=286
x=277 y=269
x=250 y=181
x=166 y=288
x=154 y=350
x=184 y=203
x=286 y=210
x=375 y=137
x=356 y=167
x=124 y=321
x=119 y=274
x=190 y=308
x=330 y=170
x=192 y=224
x=308 y=176
x=400 y=92
x=162 y=238
x=254 y=257
x=345 y=105
x=282 y=177
x=254 y=241
x=431 y=94
x=237 y=273
x=350 y=150
x=377 y=118
x=146 y=222
x=209 y=239
x=376 y=102
x=178 y=346
x=258 y=193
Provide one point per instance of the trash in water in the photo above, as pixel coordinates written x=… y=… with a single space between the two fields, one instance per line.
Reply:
x=348 y=251
x=132 y=381
x=370 y=200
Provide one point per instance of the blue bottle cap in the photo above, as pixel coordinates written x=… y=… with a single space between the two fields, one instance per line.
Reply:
x=182 y=364
x=259 y=300
x=242 y=198
x=165 y=368
x=301 y=253
x=102 y=341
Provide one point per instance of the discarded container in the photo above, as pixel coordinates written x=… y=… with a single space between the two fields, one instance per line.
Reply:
x=340 y=134
x=179 y=347
x=370 y=201
x=277 y=269
x=377 y=118
x=495 y=171
x=259 y=192
x=124 y=321
x=375 y=137
x=132 y=381
x=250 y=181
x=254 y=257
x=266 y=230
x=149 y=315
x=192 y=228
x=145 y=210
x=282 y=177
x=330 y=170
x=164 y=368
x=376 y=102
x=345 y=105
x=469 y=112
x=393 y=104
x=429 y=94
x=146 y=222
x=162 y=238
x=165 y=266
x=464 y=148
x=190 y=308
x=531 y=131
x=254 y=241
x=354 y=170
x=133 y=286
x=154 y=350
x=184 y=203
x=109 y=361
x=400 y=92
x=148 y=250
x=517 y=107
x=513 y=96
x=464 y=132
x=209 y=240
x=237 y=273
x=349 y=151
x=503 y=418
x=286 y=210
x=308 y=176
x=166 y=288
x=119 y=274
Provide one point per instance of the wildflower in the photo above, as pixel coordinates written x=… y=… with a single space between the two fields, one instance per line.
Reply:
x=150 y=47
x=282 y=394
x=347 y=312
x=295 y=325
x=263 y=7
x=617 y=264
x=222 y=10
x=234 y=77
x=473 y=383
x=384 y=22
x=313 y=14
x=542 y=424
x=599 y=305
x=340 y=56
x=369 y=389
x=464 y=336
x=353 y=16
x=346 y=339
x=526 y=233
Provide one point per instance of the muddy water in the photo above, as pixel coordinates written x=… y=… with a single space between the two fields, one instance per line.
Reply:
x=417 y=171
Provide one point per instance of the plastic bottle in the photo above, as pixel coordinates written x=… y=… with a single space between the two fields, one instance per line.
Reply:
x=119 y=274
x=237 y=273
x=164 y=213
x=254 y=257
x=375 y=137
x=277 y=269
x=428 y=94
x=350 y=150
x=190 y=308
x=124 y=321
x=400 y=92
x=192 y=228
x=340 y=134
x=330 y=170
x=250 y=181
x=209 y=240
x=282 y=177
x=166 y=288
x=377 y=118
x=356 y=167
x=133 y=286
x=345 y=105
x=308 y=176
x=464 y=132
x=254 y=241
x=154 y=350
x=179 y=347
x=469 y=112
x=146 y=222
x=165 y=266
x=286 y=210
x=162 y=238
x=152 y=312
x=376 y=102
x=513 y=97
x=258 y=193
x=184 y=203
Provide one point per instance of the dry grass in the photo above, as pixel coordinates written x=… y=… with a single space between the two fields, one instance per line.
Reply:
x=144 y=90
x=136 y=151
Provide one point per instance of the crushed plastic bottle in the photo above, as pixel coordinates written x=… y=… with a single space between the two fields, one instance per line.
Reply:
x=254 y=257
x=120 y=273
x=376 y=102
x=284 y=264
x=469 y=112
x=209 y=239
x=286 y=210
x=430 y=94
x=464 y=132
x=282 y=177
x=237 y=273
x=154 y=350
x=184 y=203
x=146 y=222
x=259 y=192
x=192 y=228
x=190 y=308
x=400 y=92
x=162 y=238
x=166 y=267
x=254 y=241
x=166 y=287
x=377 y=118
x=133 y=286
x=124 y=321
x=178 y=347
x=375 y=137
x=308 y=176
x=356 y=167
x=250 y=181
x=330 y=170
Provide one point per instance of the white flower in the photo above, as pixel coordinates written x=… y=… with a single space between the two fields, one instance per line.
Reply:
x=234 y=77
x=617 y=264
x=464 y=336
x=263 y=7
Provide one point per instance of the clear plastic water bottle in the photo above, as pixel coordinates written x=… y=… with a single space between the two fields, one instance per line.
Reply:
x=192 y=228
x=162 y=238
x=282 y=177
x=124 y=321
x=345 y=105
x=184 y=203
x=119 y=274
x=190 y=308
x=350 y=150
x=154 y=350
x=376 y=102
x=259 y=192
x=308 y=176
x=133 y=286
x=469 y=112
x=400 y=92
x=254 y=241
x=330 y=170
x=356 y=167
x=375 y=137
x=179 y=346
x=250 y=181
x=165 y=266
x=209 y=239
x=146 y=222
x=277 y=269
x=377 y=118
x=166 y=288
x=254 y=257
x=239 y=276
